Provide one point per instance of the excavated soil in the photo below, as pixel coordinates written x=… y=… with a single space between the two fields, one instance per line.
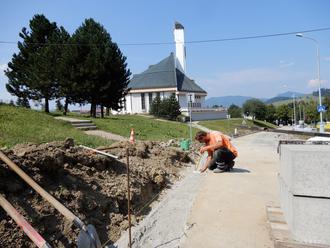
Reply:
x=92 y=186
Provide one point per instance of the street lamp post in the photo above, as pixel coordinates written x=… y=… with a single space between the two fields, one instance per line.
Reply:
x=294 y=110
x=190 y=124
x=318 y=76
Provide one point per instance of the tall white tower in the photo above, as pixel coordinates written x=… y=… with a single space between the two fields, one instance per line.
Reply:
x=180 y=49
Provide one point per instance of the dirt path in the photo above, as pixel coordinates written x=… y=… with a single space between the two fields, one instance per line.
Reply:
x=229 y=210
x=106 y=135
x=195 y=124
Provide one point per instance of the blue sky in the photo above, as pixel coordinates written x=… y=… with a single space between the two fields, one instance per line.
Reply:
x=258 y=67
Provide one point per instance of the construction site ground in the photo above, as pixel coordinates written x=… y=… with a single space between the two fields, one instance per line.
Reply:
x=195 y=210
x=92 y=186
x=218 y=210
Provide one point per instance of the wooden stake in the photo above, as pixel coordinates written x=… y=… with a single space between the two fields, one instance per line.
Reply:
x=128 y=199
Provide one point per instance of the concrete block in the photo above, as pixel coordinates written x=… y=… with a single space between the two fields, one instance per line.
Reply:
x=280 y=232
x=311 y=220
x=308 y=218
x=306 y=169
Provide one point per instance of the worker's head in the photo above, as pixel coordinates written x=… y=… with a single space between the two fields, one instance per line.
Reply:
x=201 y=136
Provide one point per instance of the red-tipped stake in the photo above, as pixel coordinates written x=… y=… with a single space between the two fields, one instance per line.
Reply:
x=131 y=138
x=26 y=227
x=128 y=198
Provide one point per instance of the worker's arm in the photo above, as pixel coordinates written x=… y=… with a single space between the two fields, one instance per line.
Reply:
x=211 y=147
x=206 y=164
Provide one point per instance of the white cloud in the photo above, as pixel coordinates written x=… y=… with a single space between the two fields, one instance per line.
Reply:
x=284 y=64
x=315 y=83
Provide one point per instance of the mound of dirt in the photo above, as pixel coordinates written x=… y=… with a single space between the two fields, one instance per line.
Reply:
x=92 y=186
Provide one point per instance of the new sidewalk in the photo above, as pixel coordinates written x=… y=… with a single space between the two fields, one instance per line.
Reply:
x=229 y=210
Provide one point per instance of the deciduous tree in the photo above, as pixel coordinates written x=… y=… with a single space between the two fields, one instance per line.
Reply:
x=235 y=111
x=255 y=107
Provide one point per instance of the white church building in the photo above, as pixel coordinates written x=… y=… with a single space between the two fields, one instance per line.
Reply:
x=169 y=77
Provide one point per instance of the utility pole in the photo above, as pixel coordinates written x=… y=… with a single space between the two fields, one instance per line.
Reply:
x=294 y=110
x=318 y=76
x=190 y=123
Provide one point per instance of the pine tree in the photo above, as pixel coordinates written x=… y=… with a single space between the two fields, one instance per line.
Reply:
x=155 y=106
x=32 y=71
x=173 y=110
x=23 y=102
x=99 y=67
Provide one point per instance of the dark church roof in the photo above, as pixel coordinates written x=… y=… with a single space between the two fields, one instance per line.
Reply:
x=164 y=75
x=178 y=25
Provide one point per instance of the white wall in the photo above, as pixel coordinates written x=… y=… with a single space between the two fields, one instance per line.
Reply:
x=207 y=115
x=183 y=100
x=180 y=50
x=134 y=105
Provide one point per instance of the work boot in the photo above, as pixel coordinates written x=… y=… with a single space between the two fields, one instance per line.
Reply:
x=221 y=167
x=217 y=170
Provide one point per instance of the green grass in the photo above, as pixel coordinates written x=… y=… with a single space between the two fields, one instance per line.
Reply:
x=228 y=126
x=264 y=124
x=145 y=128
x=20 y=125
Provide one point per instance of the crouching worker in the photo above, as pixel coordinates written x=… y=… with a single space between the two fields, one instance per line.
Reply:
x=221 y=153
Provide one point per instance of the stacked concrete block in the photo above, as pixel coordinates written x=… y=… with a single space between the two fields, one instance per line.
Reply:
x=305 y=191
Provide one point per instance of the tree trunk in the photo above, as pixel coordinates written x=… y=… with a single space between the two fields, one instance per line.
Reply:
x=66 y=104
x=107 y=113
x=102 y=111
x=46 y=105
x=93 y=110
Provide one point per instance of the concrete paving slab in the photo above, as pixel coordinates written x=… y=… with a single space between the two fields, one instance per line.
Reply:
x=229 y=210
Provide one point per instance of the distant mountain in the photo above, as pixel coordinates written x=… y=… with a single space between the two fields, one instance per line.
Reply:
x=289 y=94
x=276 y=99
x=226 y=101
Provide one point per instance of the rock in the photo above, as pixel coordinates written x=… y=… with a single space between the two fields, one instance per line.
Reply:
x=159 y=180
x=68 y=143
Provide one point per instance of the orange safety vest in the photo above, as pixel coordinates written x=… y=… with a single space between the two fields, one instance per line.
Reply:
x=216 y=137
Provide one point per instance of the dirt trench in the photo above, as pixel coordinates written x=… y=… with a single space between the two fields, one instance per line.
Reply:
x=92 y=186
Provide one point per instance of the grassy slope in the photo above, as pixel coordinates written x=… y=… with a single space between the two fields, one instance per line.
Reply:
x=145 y=128
x=228 y=126
x=20 y=125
